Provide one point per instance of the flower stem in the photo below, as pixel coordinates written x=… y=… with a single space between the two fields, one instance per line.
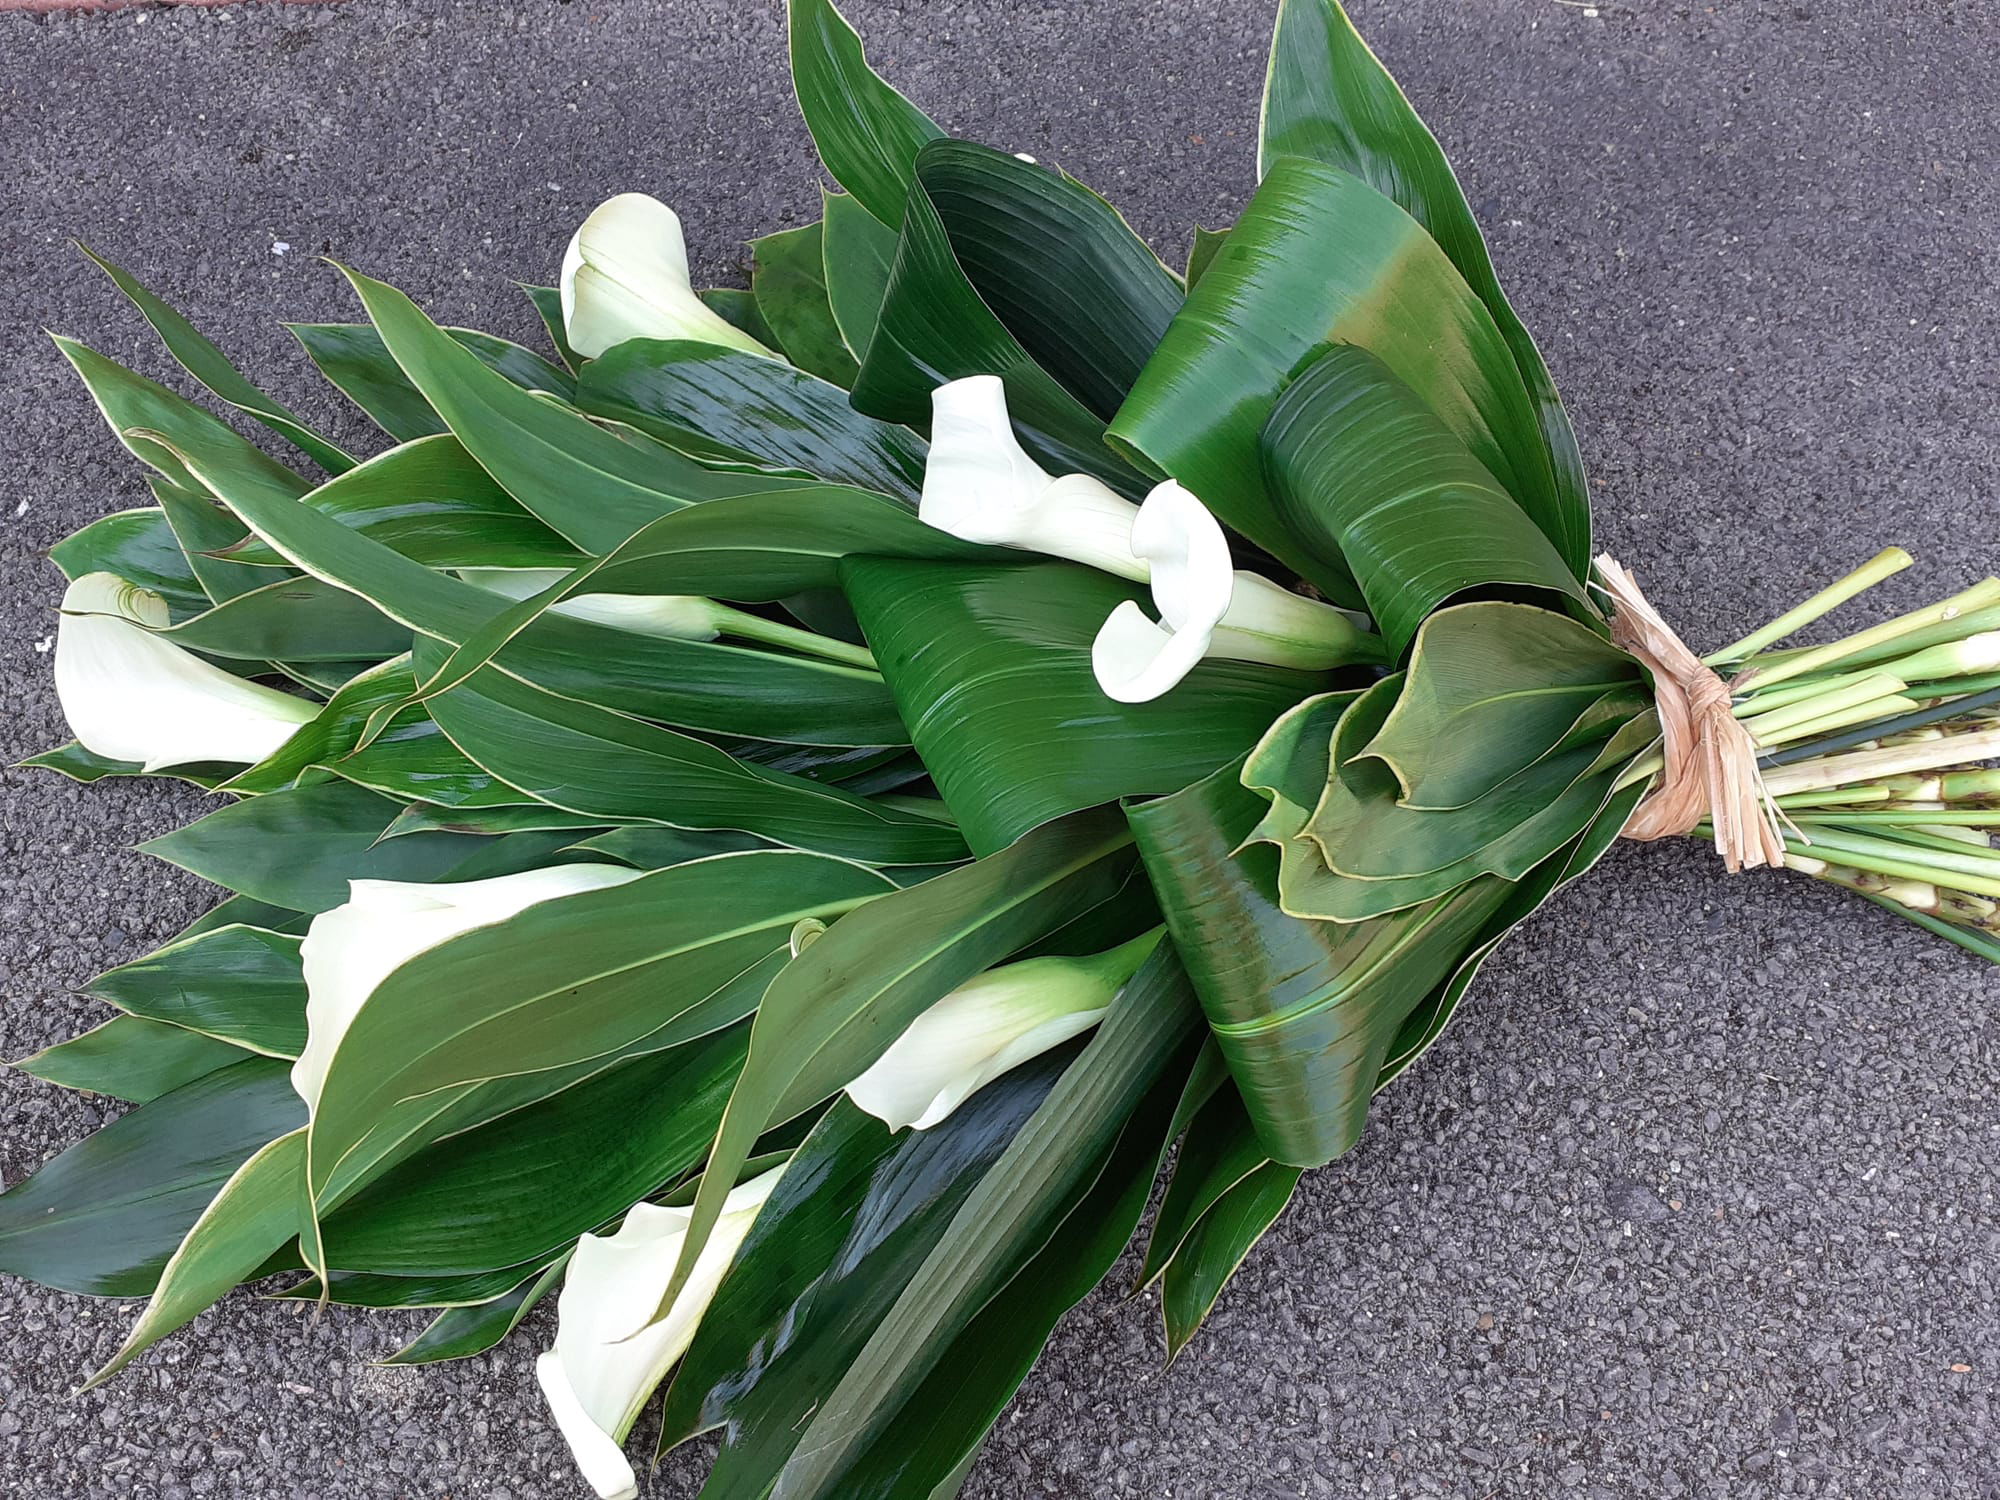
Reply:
x=1883 y=565
x=749 y=627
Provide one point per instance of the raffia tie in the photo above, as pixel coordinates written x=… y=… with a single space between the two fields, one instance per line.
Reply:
x=1710 y=762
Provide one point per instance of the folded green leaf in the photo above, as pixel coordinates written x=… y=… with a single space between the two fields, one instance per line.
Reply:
x=1216 y=1246
x=789 y=284
x=867 y=134
x=205 y=529
x=78 y=764
x=548 y=307
x=237 y=984
x=1219 y=1150
x=1202 y=252
x=353 y=357
x=293 y=619
x=461 y=1332
x=132 y=1058
x=859 y=251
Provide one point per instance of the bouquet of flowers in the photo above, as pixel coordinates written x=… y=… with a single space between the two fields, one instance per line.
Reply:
x=775 y=823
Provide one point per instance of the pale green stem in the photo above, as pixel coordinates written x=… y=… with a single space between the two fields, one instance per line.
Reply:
x=1871 y=711
x=1983 y=593
x=1867 y=765
x=749 y=627
x=1972 y=622
x=1883 y=565
x=1766 y=726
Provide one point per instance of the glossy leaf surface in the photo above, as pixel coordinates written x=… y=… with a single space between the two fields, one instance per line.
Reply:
x=238 y=984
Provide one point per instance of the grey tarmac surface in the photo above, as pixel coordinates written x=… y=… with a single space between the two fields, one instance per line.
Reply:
x=1698 y=1199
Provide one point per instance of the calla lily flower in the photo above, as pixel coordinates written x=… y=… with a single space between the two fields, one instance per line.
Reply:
x=981 y=486
x=1208 y=608
x=625 y=276
x=600 y=1373
x=134 y=696
x=685 y=617
x=349 y=950
x=988 y=1027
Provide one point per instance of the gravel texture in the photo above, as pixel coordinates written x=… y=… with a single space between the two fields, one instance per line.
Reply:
x=1697 y=1200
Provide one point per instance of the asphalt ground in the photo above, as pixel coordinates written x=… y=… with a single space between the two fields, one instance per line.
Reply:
x=1698 y=1198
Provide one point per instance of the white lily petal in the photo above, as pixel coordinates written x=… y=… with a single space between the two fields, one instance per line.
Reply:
x=1193 y=582
x=349 y=950
x=981 y=486
x=134 y=696
x=625 y=276
x=680 y=617
x=980 y=1030
x=600 y=1373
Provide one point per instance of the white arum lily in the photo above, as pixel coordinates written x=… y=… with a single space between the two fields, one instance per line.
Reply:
x=683 y=617
x=625 y=276
x=131 y=695
x=989 y=1026
x=981 y=486
x=600 y=1373
x=1208 y=608
x=383 y=924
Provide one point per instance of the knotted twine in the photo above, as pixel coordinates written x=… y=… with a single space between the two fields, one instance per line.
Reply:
x=1709 y=766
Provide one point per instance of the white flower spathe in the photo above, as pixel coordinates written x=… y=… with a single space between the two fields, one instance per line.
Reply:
x=625 y=276
x=981 y=486
x=131 y=695
x=349 y=950
x=681 y=617
x=987 y=1027
x=600 y=1373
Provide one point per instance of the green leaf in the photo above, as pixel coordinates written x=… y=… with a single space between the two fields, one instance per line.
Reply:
x=205 y=529
x=569 y=981
x=461 y=1332
x=839 y=1004
x=300 y=848
x=789 y=283
x=140 y=547
x=294 y=619
x=1058 y=266
x=1217 y=1245
x=342 y=724
x=991 y=668
x=103 y=1218
x=208 y=364
x=1201 y=254
x=867 y=134
x=430 y=502
x=548 y=307
x=367 y=1289
x=859 y=251
x=655 y=848
x=249 y=1220
x=237 y=984
x=79 y=764
x=1361 y=468
x=717 y=403
x=1219 y=1151
x=593 y=486
x=1320 y=258
x=528 y=1183
x=1142 y=1051
x=935 y=327
x=131 y=1058
x=1328 y=98
x=425 y=817
x=738 y=308
x=353 y=357
x=234 y=911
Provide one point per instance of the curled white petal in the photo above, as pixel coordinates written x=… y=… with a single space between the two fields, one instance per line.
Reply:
x=979 y=1031
x=131 y=695
x=682 y=617
x=600 y=1373
x=1136 y=660
x=625 y=276
x=981 y=486
x=383 y=924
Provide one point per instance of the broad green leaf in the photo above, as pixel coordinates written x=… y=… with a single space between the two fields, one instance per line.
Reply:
x=430 y=502
x=1328 y=98
x=722 y=404
x=293 y=619
x=738 y=308
x=527 y=1184
x=103 y=1218
x=130 y=401
x=1321 y=258
x=1216 y=1246
x=234 y=911
x=140 y=547
x=78 y=764
x=789 y=283
x=548 y=307
x=461 y=1332
x=935 y=326
x=991 y=667
x=569 y=981
x=299 y=848
x=132 y=1058
x=1219 y=1150
x=593 y=486
x=859 y=1209
x=1201 y=253
x=1142 y=1051
x=1057 y=265
x=1360 y=467
x=208 y=364
x=237 y=984
x=205 y=529
x=426 y=817
x=859 y=252
x=353 y=357
x=342 y=724
x=249 y=1220
x=839 y=1004
x=586 y=759
x=656 y=848
x=867 y=134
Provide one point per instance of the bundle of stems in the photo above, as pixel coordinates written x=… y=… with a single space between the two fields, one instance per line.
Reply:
x=1873 y=746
